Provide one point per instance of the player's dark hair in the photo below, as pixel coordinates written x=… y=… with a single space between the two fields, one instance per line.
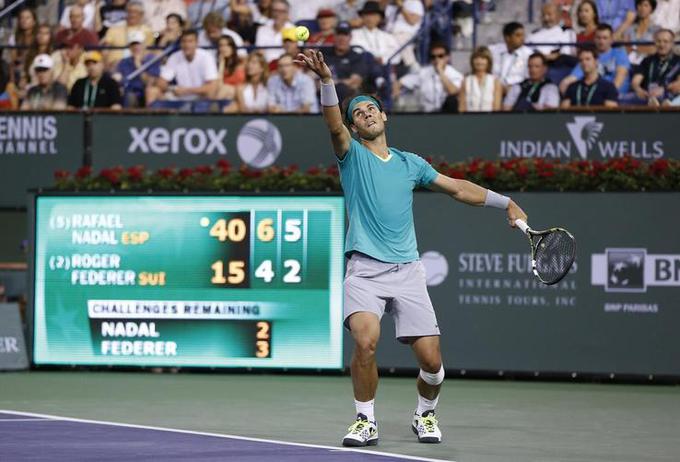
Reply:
x=590 y=50
x=436 y=45
x=652 y=3
x=189 y=32
x=511 y=27
x=539 y=55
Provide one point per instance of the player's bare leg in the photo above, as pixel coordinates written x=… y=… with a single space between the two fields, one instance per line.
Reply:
x=365 y=328
x=429 y=384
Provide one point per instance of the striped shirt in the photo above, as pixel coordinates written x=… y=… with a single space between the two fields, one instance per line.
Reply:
x=290 y=98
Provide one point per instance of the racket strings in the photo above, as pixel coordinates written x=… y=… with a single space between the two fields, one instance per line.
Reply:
x=554 y=256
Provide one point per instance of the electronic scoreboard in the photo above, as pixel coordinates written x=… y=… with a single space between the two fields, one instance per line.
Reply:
x=209 y=281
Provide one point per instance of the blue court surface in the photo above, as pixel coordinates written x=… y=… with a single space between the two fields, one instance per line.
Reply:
x=40 y=437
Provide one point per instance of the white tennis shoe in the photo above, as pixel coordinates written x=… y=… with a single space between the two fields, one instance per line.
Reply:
x=361 y=433
x=426 y=427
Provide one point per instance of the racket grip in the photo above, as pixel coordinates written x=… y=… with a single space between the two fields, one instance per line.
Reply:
x=521 y=224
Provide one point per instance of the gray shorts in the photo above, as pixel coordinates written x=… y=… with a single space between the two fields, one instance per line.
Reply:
x=396 y=288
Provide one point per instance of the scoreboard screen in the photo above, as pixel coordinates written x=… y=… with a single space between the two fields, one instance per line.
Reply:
x=207 y=281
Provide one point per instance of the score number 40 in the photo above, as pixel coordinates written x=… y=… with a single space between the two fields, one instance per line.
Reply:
x=235 y=230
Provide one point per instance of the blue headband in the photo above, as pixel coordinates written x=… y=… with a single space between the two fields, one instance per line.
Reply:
x=359 y=99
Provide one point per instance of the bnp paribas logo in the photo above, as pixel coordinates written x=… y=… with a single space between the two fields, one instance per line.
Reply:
x=585 y=131
x=634 y=270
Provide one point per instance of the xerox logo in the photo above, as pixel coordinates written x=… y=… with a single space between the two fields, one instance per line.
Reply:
x=160 y=140
x=633 y=270
x=587 y=138
x=259 y=143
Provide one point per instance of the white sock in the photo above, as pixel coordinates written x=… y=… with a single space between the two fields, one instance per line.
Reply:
x=366 y=408
x=425 y=404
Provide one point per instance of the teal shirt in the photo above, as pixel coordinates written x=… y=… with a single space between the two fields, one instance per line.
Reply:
x=379 y=199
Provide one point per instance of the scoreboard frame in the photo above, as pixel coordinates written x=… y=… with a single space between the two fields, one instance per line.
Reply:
x=32 y=208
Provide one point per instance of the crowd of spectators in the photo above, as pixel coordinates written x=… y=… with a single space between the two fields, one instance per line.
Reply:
x=238 y=56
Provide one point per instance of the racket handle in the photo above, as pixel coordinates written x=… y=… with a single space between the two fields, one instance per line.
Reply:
x=521 y=224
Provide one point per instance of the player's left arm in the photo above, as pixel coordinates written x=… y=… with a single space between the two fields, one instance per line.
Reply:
x=470 y=193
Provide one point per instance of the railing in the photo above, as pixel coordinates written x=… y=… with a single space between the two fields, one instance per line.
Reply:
x=8 y=9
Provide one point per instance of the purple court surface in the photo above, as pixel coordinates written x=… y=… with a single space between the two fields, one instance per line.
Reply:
x=39 y=437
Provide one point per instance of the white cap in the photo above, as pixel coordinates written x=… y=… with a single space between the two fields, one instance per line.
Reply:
x=136 y=36
x=44 y=61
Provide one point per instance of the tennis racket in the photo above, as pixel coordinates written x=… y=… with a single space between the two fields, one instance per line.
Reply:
x=552 y=252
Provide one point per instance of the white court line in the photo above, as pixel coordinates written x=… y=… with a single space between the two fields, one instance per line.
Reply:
x=218 y=435
x=28 y=420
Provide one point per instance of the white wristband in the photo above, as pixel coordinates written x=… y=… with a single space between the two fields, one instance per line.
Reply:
x=328 y=95
x=496 y=200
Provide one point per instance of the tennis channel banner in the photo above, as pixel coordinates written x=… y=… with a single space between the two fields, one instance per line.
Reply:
x=12 y=346
x=618 y=310
x=190 y=140
x=32 y=147
x=189 y=281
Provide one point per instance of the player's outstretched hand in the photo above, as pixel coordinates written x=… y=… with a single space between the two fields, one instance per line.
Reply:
x=515 y=212
x=313 y=59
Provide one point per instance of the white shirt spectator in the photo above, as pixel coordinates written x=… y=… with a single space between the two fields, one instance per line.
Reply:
x=88 y=16
x=290 y=98
x=555 y=34
x=204 y=41
x=479 y=98
x=667 y=15
x=192 y=74
x=379 y=43
x=511 y=68
x=255 y=99
x=401 y=26
x=432 y=93
x=307 y=9
x=268 y=36
x=155 y=12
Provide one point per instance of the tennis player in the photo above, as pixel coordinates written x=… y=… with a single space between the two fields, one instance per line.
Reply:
x=384 y=273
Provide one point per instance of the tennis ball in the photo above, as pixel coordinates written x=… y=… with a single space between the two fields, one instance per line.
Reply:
x=302 y=33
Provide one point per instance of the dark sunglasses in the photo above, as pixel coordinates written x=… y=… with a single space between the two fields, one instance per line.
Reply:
x=42 y=69
x=441 y=55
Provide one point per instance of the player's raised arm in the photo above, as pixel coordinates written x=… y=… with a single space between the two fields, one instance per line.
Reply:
x=472 y=194
x=340 y=136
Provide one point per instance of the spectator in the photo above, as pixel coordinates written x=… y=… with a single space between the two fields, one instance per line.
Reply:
x=657 y=80
x=382 y=45
x=41 y=45
x=304 y=10
x=536 y=92
x=174 y=26
x=328 y=21
x=46 y=94
x=24 y=36
x=269 y=34
x=69 y=64
x=667 y=15
x=213 y=30
x=110 y=14
x=8 y=94
x=408 y=17
x=77 y=32
x=117 y=36
x=613 y=62
x=510 y=58
x=290 y=46
x=89 y=9
x=133 y=94
x=588 y=20
x=436 y=84
x=97 y=89
x=642 y=30
x=592 y=89
x=157 y=12
x=348 y=67
x=261 y=11
x=291 y=90
x=229 y=68
x=348 y=11
x=199 y=9
x=481 y=90
x=241 y=20
x=252 y=96
x=191 y=68
x=616 y=13
x=552 y=32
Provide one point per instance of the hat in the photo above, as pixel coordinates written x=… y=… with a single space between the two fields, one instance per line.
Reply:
x=288 y=33
x=42 y=61
x=93 y=56
x=325 y=13
x=371 y=7
x=343 y=28
x=136 y=36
